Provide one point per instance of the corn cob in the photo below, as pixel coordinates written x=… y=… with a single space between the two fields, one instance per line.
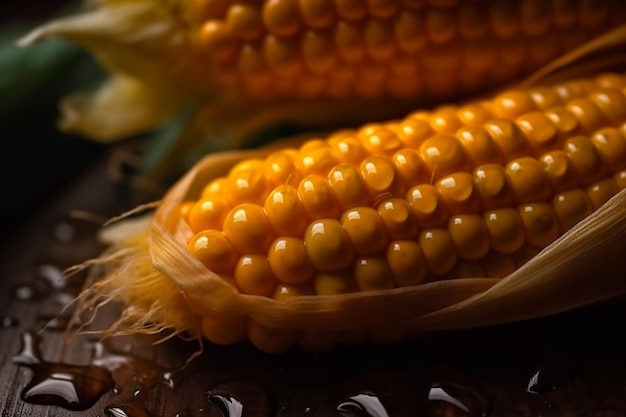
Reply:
x=223 y=51
x=474 y=190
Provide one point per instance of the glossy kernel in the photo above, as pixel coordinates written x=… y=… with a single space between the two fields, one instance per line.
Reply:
x=528 y=180
x=406 y=262
x=585 y=159
x=508 y=137
x=410 y=167
x=479 y=145
x=372 y=274
x=493 y=187
x=207 y=213
x=443 y=155
x=248 y=228
x=439 y=251
x=289 y=261
x=381 y=178
x=611 y=144
x=539 y=130
x=559 y=169
x=285 y=213
x=458 y=193
x=328 y=283
x=224 y=328
x=328 y=246
x=601 y=192
x=470 y=236
x=318 y=198
x=212 y=248
x=505 y=229
x=513 y=104
x=540 y=224
x=280 y=168
x=427 y=206
x=587 y=113
x=571 y=207
x=365 y=230
x=247 y=185
x=254 y=276
x=282 y=17
x=398 y=218
x=348 y=186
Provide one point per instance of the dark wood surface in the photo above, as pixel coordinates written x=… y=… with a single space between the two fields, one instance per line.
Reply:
x=573 y=364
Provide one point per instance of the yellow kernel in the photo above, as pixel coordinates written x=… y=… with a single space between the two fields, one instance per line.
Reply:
x=509 y=138
x=247 y=186
x=559 y=169
x=601 y=192
x=539 y=130
x=610 y=80
x=351 y=9
x=289 y=261
x=410 y=167
x=379 y=140
x=327 y=245
x=285 y=212
x=245 y=21
x=611 y=102
x=207 y=213
x=479 y=146
x=540 y=224
x=285 y=292
x=247 y=227
x=512 y=104
x=620 y=179
x=470 y=235
x=365 y=230
x=381 y=178
x=505 y=229
x=585 y=159
x=318 y=198
x=438 y=249
x=427 y=206
x=216 y=188
x=587 y=113
x=413 y=132
x=406 y=262
x=269 y=339
x=498 y=265
x=348 y=186
x=211 y=9
x=473 y=115
x=224 y=328
x=280 y=168
x=372 y=274
x=318 y=51
x=348 y=150
x=349 y=41
x=565 y=122
x=493 y=186
x=573 y=90
x=528 y=180
x=283 y=56
x=317 y=14
x=545 y=98
x=282 y=17
x=442 y=154
x=317 y=161
x=212 y=248
x=410 y=31
x=216 y=41
x=328 y=283
x=571 y=207
x=611 y=144
x=185 y=209
x=458 y=193
x=254 y=276
x=445 y=120
x=398 y=218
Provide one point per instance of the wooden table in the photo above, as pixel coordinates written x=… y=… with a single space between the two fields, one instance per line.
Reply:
x=573 y=364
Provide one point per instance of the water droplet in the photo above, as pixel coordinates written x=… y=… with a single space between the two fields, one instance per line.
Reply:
x=131 y=409
x=75 y=388
x=53 y=275
x=7 y=322
x=228 y=406
x=448 y=399
x=362 y=405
